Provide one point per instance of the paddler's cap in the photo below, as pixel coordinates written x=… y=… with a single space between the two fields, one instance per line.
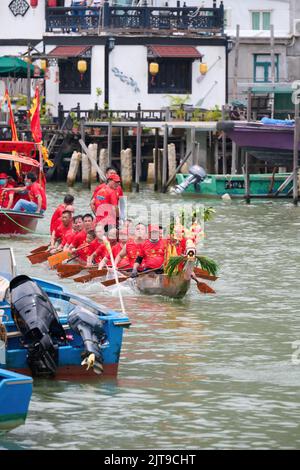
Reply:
x=3 y=175
x=116 y=178
x=153 y=228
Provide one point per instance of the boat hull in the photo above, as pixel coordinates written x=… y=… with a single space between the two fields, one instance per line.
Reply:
x=175 y=286
x=234 y=185
x=20 y=223
x=70 y=353
x=15 y=395
x=259 y=136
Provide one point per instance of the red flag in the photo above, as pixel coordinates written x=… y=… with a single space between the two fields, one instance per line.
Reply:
x=35 y=124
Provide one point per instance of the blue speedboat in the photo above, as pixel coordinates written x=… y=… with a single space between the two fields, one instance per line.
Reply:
x=15 y=394
x=51 y=332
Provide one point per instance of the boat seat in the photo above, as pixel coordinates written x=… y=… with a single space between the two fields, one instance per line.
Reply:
x=4 y=285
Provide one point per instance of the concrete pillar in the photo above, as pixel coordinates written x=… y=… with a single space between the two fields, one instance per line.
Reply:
x=172 y=159
x=86 y=171
x=126 y=169
x=73 y=168
x=93 y=148
x=103 y=159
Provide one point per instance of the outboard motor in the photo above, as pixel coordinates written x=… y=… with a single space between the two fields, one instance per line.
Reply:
x=37 y=320
x=90 y=328
x=197 y=175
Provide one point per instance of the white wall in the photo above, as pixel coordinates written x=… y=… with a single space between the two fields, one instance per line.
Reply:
x=30 y=26
x=132 y=61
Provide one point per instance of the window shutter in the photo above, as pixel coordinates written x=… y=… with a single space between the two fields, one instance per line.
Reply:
x=266 y=20
x=255 y=20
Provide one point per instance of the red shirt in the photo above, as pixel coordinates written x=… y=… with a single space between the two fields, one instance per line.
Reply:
x=35 y=190
x=153 y=253
x=79 y=238
x=106 y=200
x=61 y=231
x=55 y=219
x=133 y=250
x=119 y=190
x=4 y=196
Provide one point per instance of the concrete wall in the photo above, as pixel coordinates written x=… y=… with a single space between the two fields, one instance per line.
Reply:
x=30 y=26
x=131 y=62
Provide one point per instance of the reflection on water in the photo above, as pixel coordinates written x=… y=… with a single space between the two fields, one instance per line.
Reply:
x=203 y=372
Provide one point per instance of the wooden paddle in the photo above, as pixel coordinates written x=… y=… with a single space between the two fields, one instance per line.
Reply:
x=111 y=282
x=39 y=249
x=36 y=258
x=204 y=274
x=204 y=288
x=91 y=275
x=68 y=270
x=61 y=256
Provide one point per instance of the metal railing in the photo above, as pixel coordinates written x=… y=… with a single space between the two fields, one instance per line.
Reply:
x=209 y=20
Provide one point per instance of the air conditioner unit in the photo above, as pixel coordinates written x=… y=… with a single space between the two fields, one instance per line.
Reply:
x=297 y=27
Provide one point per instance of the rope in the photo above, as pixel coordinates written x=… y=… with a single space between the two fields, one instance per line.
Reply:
x=17 y=223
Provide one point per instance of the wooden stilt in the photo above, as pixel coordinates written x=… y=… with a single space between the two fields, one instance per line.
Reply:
x=156 y=152
x=247 y=179
x=165 y=159
x=295 y=161
x=109 y=143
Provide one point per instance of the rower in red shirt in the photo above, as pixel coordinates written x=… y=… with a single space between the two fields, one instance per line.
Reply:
x=80 y=237
x=6 y=197
x=56 y=217
x=106 y=202
x=36 y=194
x=58 y=236
x=116 y=247
x=108 y=172
x=99 y=250
x=133 y=248
x=152 y=253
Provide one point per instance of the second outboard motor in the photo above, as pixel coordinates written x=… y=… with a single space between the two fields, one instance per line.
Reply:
x=90 y=328
x=38 y=322
x=197 y=174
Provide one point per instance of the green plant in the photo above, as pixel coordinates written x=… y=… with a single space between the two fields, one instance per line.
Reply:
x=176 y=104
x=146 y=130
x=197 y=115
x=74 y=119
x=214 y=114
x=98 y=91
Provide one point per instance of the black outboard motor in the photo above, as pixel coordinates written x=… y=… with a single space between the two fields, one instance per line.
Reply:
x=197 y=175
x=37 y=320
x=90 y=328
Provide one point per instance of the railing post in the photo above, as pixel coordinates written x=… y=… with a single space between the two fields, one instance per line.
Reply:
x=60 y=112
x=106 y=14
x=78 y=111
x=146 y=16
x=221 y=17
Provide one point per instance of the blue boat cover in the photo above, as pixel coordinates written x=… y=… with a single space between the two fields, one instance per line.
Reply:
x=278 y=122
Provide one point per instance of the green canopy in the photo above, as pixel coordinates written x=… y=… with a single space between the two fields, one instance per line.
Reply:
x=16 y=68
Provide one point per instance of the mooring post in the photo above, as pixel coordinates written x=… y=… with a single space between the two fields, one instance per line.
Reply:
x=165 y=159
x=109 y=143
x=224 y=162
x=156 y=160
x=121 y=139
x=247 y=180
x=138 y=150
x=295 y=161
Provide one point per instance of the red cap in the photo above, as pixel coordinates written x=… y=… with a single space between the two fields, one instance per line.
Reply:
x=153 y=228
x=3 y=175
x=115 y=178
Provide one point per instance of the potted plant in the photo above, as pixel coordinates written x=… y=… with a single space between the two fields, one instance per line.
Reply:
x=176 y=105
x=75 y=127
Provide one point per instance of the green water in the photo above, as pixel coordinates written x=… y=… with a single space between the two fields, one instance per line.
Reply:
x=204 y=372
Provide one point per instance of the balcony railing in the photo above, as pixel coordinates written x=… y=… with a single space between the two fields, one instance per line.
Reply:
x=143 y=18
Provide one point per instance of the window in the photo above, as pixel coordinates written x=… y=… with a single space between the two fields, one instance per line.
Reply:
x=70 y=80
x=261 y=20
x=174 y=76
x=262 y=68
